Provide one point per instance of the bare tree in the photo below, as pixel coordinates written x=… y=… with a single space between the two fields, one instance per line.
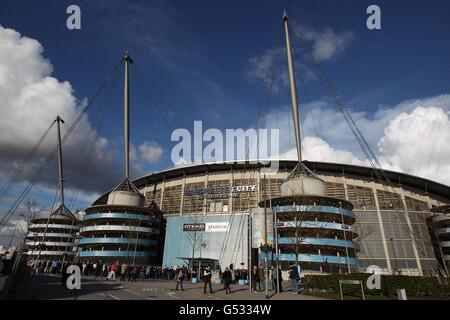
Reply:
x=302 y=228
x=31 y=210
x=363 y=231
x=195 y=239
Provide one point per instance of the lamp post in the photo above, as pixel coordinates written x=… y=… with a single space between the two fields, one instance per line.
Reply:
x=202 y=246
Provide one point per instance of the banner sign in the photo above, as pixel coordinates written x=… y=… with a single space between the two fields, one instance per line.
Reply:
x=192 y=227
x=217 y=227
x=214 y=192
x=206 y=227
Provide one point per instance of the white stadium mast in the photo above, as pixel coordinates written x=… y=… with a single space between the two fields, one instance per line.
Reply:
x=126 y=192
x=126 y=95
x=293 y=87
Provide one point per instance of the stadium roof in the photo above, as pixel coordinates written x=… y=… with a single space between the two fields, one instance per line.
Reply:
x=417 y=184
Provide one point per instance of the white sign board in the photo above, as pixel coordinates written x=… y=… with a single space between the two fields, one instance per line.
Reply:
x=216 y=227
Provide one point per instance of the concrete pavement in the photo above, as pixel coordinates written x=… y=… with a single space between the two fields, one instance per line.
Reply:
x=50 y=287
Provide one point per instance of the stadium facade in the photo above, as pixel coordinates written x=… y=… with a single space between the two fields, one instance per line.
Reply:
x=384 y=234
x=439 y=224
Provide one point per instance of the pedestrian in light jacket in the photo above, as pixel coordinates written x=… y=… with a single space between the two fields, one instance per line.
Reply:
x=207 y=279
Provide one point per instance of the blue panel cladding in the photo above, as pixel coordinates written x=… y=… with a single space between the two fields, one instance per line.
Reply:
x=231 y=247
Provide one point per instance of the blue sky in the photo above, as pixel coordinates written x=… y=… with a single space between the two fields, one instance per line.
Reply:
x=195 y=59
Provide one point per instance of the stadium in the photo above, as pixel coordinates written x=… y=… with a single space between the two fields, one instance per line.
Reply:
x=384 y=234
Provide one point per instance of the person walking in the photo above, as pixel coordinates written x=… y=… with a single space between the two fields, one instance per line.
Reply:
x=274 y=276
x=255 y=280
x=123 y=271
x=277 y=276
x=207 y=279
x=105 y=271
x=294 y=278
x=179 y=277
x=261 y=278
x=134 y=273
x=64 y=275
x=112 y=272
x=227 y=278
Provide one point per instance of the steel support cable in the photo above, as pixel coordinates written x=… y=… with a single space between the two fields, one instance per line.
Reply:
x=376 y=166
x=428 y=154
x=23 y=194
x=154 y=96
x=441 y=147
x=261 y=121
x=443 y=141
x=52 y=209
x=49 y=159
x=262 y=117
x=436 y=139
x=158 y=126
x=274 y=70
x=19 y=169
x=305 y=90
x=91 y=139
x=239 y=239
x=160 y=108
x=338 y=101
x=426 y=135
x=413 y=150
x=280 y=79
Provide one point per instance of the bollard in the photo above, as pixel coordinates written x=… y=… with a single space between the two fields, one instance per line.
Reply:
x=401 y=294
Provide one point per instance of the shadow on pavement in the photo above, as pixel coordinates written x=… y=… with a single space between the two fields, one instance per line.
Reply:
x=50 y=287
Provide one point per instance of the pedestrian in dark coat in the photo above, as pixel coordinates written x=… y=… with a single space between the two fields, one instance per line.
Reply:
x=227 y=278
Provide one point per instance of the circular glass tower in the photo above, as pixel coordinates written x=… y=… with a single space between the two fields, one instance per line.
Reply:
x=53 y=238
x=313 y=230
x=123 y=230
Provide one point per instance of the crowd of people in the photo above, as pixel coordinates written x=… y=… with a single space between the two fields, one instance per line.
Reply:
x=134 y=272
x=259 y=279
x=110 y=271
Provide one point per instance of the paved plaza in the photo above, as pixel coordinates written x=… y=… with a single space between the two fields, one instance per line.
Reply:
x=50 y=288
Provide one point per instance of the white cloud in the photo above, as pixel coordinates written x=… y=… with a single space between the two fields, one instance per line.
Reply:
x=182 y=163
x=417 y=143
x=263 y=69
x=327 y=43
x=151 y=152
x=317 y=149
x=31 y=99
x=410 y=137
